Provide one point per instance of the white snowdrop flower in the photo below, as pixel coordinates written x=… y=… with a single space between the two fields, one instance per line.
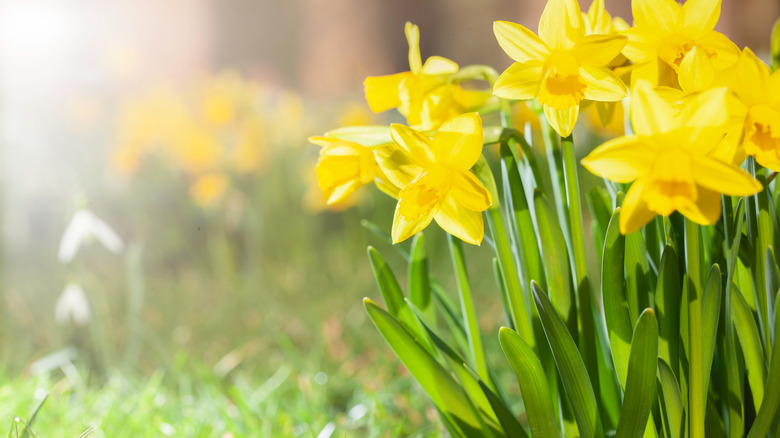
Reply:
x=72 y=305
x=82 y=229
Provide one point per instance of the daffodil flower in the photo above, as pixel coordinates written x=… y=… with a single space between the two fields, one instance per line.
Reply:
x=757 y=92
x=426 y=95
x=433 y=174
x=664 y=34
x=670 y=160
x=561 y=67
x=347 y=162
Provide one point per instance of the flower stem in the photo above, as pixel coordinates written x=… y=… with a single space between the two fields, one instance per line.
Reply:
x=696 y=396
x=577 y=236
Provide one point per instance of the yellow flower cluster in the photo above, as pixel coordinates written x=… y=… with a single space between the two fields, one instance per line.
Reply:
x=698 y=107
x=217 y=130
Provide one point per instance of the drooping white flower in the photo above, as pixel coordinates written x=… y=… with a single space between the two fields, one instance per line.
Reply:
x=72 y=305
x=82 y=229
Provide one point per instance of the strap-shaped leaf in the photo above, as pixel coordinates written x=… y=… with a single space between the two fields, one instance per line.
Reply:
x=419 y=282
x=556 y=262
x=613 y=296
x=437 y=382
x=672 y=408
x=533 y=384
x=667 y=303
x=750 y=340
x=641 y=380
x=571 y=368
x=710 y=315
x=769 y=408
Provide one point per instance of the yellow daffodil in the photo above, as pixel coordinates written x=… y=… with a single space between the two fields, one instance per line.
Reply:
x=433 y=174
x=664 y=34
x=669 y=160
x=344 y=166
x=562 y=66
x=426 y=95
x=208 y=189
x=757 y=108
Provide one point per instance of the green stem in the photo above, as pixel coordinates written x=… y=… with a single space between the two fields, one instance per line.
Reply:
x=696 y=396
x=575 y=210
x=467 y=306
x=557 y=177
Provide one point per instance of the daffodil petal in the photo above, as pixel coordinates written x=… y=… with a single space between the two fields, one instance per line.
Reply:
x=650 y=114
x=753 y=77
x=700 y=16
x=458 y=143
x=414 y=143
x=724 y=178
x=561 y=24
x=436 y=65
x=459 y=221
x=696 y=72
x=396 y=165
x=520 y=81
x=404 y=228
x=469 y=191
x=382 y=91
x=634 y=213
x=413 y=38
x=706 y=110
x=727 y=51
x=321 y=140
x=519 y=42
x=562 y=121
x=706 y=209
x=602 y=84
x=774 y=89
x=622 y=160
x=655 y=14
x=598 y=50
x=642 y=45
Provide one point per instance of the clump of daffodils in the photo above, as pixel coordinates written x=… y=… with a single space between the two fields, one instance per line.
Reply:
x=676 y=333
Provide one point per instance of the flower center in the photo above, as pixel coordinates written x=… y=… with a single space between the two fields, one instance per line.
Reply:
x=420 y=196
x=762 y=135
x=671 y=183
x=561 y=86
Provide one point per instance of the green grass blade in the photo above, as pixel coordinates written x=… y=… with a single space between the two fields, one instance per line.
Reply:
x=766 y=414
x=437 y=382
x=419 y=282
x=641 y=380
x=672 y=408
x=34 y=415
x=556 y=262
x=613 y=298
x=533 y=384
x=710 y=316
x=571 y=368
x=750 y=341
x=667 y=296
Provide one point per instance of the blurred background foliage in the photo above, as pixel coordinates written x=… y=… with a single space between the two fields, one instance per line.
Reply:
x=183 y=125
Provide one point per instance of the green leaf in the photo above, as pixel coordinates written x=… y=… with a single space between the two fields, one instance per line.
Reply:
x=766 y=414
x=511 y=426
x=523 y=227
x=672 y=408
x=638 y=281
x=571 y=368
x=556 y=262
x=668 y=292
x=600 y=204
x=533 y=384
x=771 y=281
x=641 y=380
x=750 y=341
x=613 y=297
x=710 y=316
x=437 y=382
x=419 y=283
